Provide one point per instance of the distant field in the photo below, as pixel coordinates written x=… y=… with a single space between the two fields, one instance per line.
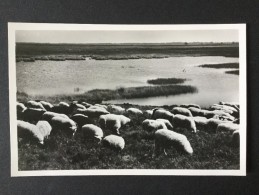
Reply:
x=166 y=81
x=236 y=72
x=127 y=51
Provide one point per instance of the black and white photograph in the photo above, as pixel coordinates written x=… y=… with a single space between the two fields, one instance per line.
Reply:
x=127 y=99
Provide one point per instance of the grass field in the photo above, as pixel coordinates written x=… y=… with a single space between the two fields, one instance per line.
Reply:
x=125 y=51
x=211 y=151
x=99 y=95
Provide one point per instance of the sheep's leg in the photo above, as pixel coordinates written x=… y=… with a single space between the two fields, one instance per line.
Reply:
x=165 y=152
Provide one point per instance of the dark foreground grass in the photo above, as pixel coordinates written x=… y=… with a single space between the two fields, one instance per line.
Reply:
x=235 y=72
x=211 y=151
x=99 y=95
x=166 y=81
x=225 y=65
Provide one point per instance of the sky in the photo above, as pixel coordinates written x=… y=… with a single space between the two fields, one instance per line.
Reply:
x=101 y=36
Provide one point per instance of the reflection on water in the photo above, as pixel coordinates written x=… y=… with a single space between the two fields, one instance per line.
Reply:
x=73 y=77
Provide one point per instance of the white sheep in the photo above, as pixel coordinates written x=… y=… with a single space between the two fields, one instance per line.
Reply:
x=227 y=127
x=81 y=119
x=153 y=125
x=163 y=114
x=190 y=105
x=113 y=122
x=134 y=111
x=49 y=115
x=48 y=106
x=85 y=104
x=20 y=107
x=235 y=138
x=63 y=104
x=165 y=138
x=44 y=127
x=91 y=131
x=34 y=104
x=212 y=125
x=32 y=114
x=93 y=112
x=102 y=106
x=181 y=121
x=67 y=126
x=200 y=122
x=116 y=109
x=166 y=122
x=182 y=111
x=29 y=131
x=148 y=113
x=114 y=142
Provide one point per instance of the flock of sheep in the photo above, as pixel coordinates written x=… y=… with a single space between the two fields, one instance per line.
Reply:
x=39 y=119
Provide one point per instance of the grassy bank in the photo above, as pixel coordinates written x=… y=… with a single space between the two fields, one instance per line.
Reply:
x=166 y=81
x=99 y=95
x=235 y=72
x=225 y=65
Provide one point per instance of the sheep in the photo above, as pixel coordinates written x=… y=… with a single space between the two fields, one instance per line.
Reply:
x=34 y=104
x=222 y=115
x=148 y=113
x=232 y=104
x=49 y=115
x=116 y=109
x=48 y=106
x=93 y=112
x=102 y=106
x=166 y=122
x=181 y=121
x=182 y=111
x=114 y=142
x=81 y=119
x=113 y=122
x=45 y=128
x=227 y=127
x=212 y=125
x=86 y=105
x=153 y=125
x=91 y=131
x=165 y=138
x=29 y=132
x=32 y=114
x=235 y=139
x=200 y=122
x=163 y=114
x=20 y=109
x=134 y=111
x=62 y=108
x=225 y=108
x=190 y=105
x=67 y=126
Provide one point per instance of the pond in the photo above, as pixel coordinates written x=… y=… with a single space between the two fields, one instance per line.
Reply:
x=74 y=77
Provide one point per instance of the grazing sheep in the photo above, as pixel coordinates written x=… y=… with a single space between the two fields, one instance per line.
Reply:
x=62 y=108
x=63 y=104
x=227 y=127
x=85 y=104
x=153 y=125
x=182 y=111
x=225 y=108
x=165 y=138
x=91 y=131
x=32 y=114
x=200 y=122
x=102 y=106
x=196 y=111
x=148 y=113
x=20 y=109
x=190 y=105
x=232 y=104
x=44 y=128
x=48 y=106
x=222 y=115
x=67 y=126
x=167 y=123
x=163 y=114
x=212 y=125
x=113 y=122
x=29 y=132
x=116 y=109
x=134 y=111
x=47 y=116
x=235 y=139
x=114 y=142
x=93 y=112
x=81 y=119
x=181 y=121
x=34 y=104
